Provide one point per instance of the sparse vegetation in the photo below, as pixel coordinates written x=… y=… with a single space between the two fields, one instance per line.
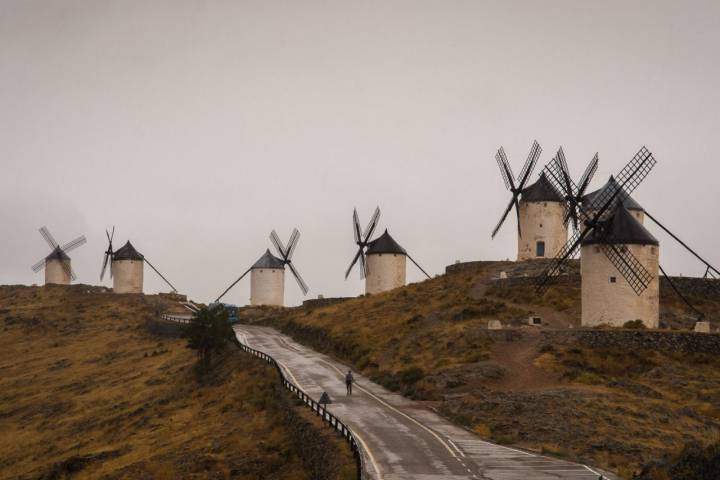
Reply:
x=95 y=395
x=692 y=463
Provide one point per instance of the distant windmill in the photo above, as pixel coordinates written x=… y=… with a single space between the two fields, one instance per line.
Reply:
x=126 y=267
x=382 y=261
x=540 y=209
x=267 y=275
x=57 y=265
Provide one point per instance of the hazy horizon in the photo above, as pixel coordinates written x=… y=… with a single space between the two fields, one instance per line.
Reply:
x=198 y=127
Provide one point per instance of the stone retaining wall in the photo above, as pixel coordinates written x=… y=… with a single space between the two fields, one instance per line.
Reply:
x=323 y=302
x=665 y=341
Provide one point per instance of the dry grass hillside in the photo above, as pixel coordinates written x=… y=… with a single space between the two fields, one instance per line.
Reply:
x=87 y=392
x=612 y=406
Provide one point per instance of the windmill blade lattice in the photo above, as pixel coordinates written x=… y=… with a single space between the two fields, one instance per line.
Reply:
x=108 y=256
x=287 y=253
x=362 y=238
x=595 y=217
x=510 y=182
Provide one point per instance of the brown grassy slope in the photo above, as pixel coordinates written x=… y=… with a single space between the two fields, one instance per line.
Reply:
x=612 y=408
x=84 y=387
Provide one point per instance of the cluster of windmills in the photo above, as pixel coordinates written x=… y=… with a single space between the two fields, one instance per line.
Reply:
x=382 y=265
x=556 y=219
x=619 y=257
x=126 y=264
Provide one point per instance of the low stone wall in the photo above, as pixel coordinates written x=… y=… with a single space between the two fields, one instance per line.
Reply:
x=665 y=341
x=323 y=302
x=700 y=287
x=465 y=266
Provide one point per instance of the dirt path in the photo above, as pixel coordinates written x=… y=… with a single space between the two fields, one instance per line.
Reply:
x=517 y=358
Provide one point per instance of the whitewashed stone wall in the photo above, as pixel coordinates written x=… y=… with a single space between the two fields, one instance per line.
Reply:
x=541 y=221
x=56 y=273
x=385 y=272
x=128 y=276
x=604 y=302
x=267 y=286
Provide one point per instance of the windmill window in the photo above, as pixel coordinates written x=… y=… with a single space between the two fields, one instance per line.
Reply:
x=613 y=279
x=540 y=249
x=541 y=225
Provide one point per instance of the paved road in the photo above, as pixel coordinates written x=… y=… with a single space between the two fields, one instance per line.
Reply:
x=403 y=440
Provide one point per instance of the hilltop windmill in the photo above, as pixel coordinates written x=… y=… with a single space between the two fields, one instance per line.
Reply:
x=127 y=267
x=57 y=265
x=623 y=228
x=267 y=275
x=382 y=261
x=612 y=241
x=540 y=209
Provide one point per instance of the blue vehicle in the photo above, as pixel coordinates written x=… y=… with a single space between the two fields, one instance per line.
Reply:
x=232 y=311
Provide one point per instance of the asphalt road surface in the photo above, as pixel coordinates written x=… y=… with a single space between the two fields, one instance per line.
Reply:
x=402 y=439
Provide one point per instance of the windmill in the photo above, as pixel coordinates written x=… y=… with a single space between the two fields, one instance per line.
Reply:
x=267 y=274
x=382 y=261
x=540 y=209
x=127 y=267
x=57 y=263
x=615 y=195
x=612 y=242
x=571 y=190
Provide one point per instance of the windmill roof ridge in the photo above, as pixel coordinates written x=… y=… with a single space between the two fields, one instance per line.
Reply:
x=384 y=244
x=623 y=229
x=57 y=254
x=127 y=252
x=624 y=197
x=541 y=191
x=268 y=260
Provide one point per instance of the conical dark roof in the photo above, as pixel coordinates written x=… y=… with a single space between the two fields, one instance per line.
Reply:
x=268 y=260
x=623 y=229
x=127 y=252
x=384 y=244
x=541 y=191
x=595 y=196
x=57 y=254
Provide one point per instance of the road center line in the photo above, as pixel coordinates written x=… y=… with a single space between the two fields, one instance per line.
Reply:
x=383 y=402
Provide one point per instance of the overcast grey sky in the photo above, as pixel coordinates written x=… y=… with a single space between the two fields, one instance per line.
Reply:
x=196 y=127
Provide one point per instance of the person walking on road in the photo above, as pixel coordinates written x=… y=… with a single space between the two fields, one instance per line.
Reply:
x=349 y=381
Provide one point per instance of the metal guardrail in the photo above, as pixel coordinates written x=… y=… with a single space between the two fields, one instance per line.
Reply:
x=316 y=407
x=319 y=410
x=176 y=318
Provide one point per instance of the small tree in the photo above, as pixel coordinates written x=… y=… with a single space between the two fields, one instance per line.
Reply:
x=209 y=332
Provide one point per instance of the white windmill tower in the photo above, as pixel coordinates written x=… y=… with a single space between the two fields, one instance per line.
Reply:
x=383 y=262
x=267 y=274
x=126 y=267
x=58 y=269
